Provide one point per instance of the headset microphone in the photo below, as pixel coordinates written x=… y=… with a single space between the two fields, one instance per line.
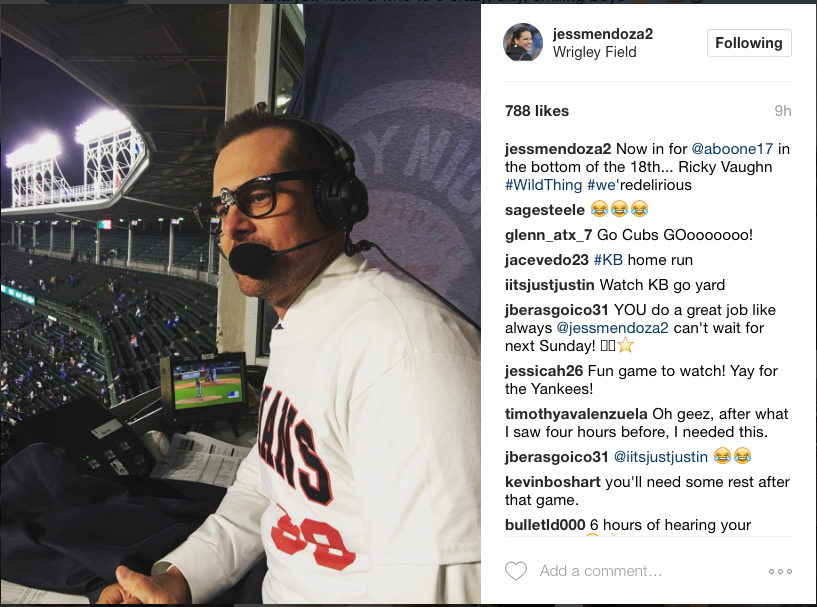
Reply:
x=252 y=258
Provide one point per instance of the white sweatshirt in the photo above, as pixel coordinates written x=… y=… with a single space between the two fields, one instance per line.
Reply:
x=365 y=486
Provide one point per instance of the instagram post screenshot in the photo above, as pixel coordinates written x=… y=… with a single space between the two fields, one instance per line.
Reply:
x=243 y=294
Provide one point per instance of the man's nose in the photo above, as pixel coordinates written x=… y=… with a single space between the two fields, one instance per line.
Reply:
x=235 y=224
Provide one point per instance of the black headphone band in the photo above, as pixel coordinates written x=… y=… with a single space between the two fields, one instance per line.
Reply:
x=341 y=150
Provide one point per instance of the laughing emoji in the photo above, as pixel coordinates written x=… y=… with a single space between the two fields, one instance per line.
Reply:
x=598 y=208
x=618 y=208
x=723 y=455
x=639 y=208
x=742 y=455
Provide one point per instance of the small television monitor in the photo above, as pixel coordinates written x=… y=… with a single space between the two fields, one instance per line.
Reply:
x=204 y=388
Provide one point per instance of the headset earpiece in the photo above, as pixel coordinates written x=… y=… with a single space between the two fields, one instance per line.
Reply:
x=340 y=197
x=325 y=211
x=354 y=191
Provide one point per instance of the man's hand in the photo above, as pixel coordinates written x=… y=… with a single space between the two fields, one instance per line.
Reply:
x=136 y=589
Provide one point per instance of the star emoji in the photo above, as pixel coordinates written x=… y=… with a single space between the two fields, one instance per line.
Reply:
x=625 y=345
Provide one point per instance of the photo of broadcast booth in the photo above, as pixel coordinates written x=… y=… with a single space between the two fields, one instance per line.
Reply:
x=193 y=336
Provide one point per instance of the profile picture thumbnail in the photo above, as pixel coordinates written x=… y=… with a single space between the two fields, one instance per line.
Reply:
x=522 y=42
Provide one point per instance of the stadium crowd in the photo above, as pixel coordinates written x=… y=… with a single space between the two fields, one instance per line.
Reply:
x=142 y=317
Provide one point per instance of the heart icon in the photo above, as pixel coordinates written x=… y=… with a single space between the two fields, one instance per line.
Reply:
x=516 y=570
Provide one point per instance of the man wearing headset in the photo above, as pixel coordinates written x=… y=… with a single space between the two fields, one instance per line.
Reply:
x=365 y=482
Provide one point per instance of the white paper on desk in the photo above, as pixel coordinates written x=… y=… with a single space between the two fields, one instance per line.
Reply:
x=14 y=594
x=197 y=457
x=200 y=467
x=200 y=443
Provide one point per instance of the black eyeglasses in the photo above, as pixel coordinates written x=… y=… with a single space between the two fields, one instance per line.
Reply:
x=256 y=198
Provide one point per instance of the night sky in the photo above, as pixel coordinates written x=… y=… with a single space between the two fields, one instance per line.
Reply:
x=39 y=97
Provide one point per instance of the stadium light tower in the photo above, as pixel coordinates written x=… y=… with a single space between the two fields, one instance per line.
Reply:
x=112 y=149
x=35 y=175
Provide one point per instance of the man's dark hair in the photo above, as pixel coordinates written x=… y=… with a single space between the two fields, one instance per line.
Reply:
x=308 y=149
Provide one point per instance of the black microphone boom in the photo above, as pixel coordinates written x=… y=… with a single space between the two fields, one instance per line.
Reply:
x=252 y=258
